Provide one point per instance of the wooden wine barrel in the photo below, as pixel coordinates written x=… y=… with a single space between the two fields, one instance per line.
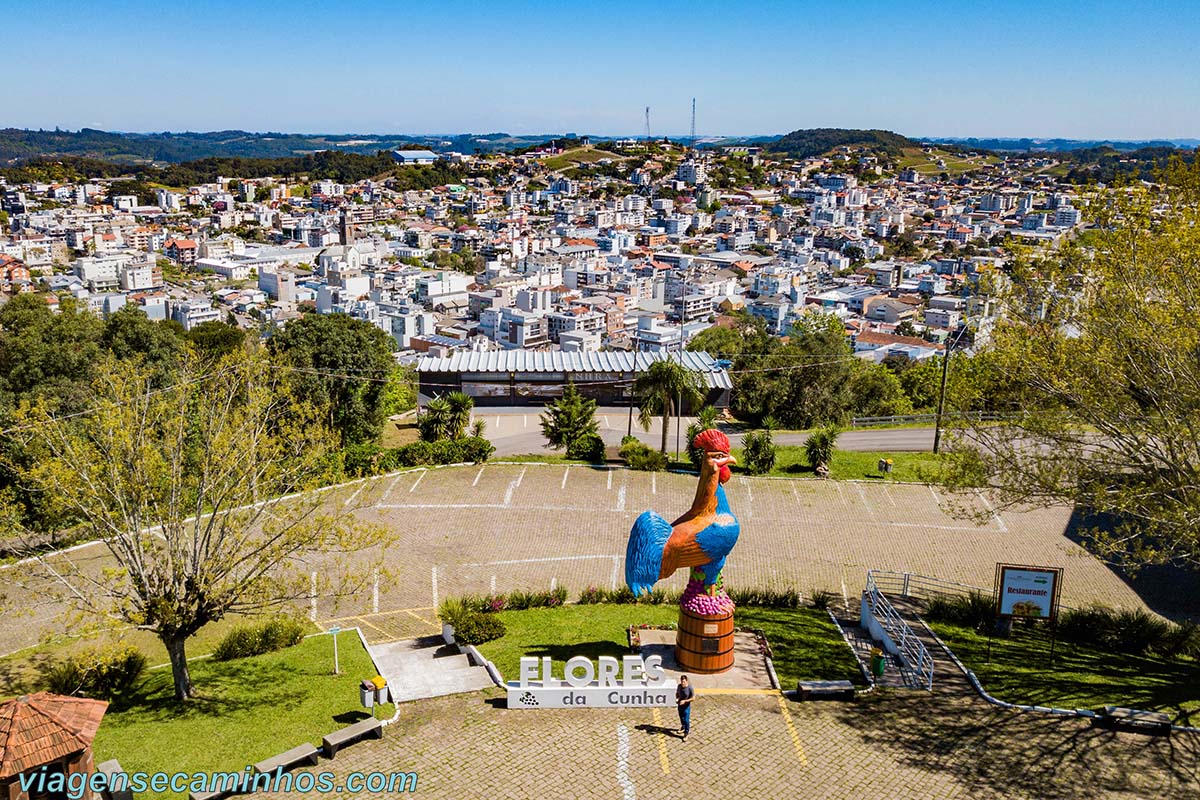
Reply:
x=704 y=642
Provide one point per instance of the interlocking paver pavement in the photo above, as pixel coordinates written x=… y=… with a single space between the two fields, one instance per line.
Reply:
x=889 y=745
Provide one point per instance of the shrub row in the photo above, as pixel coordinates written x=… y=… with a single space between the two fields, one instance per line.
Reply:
x=1136 y=632
x=622 y=594
x=104 y=673
x=244 y=641
x=370 y=459
x=975 y=611
x=1133 y=632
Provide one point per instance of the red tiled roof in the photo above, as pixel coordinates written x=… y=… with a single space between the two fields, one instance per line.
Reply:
x=42 y=728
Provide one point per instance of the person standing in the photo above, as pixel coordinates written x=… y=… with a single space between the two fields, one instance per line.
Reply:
x=683 y=699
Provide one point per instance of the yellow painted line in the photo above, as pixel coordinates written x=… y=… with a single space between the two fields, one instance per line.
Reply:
x=763 y=692
x=422 y=619
x=382 y=613
x=376 y=627
x=791 y=726
x=662 y=745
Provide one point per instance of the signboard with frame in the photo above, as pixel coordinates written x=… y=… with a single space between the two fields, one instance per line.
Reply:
x=1027 y=592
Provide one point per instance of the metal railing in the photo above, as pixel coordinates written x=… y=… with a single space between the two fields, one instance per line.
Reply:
x=911 y=651
x=923 y=587
x=909 y=419
x=920 y=587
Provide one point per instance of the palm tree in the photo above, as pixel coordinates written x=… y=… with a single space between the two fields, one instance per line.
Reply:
x=659 y=387
x=461 y=405
x=434 y=424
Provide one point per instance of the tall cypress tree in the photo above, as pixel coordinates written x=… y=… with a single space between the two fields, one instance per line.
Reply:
x=568 y=420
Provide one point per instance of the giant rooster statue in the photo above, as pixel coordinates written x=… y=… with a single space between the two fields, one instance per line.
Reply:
x=699 y=540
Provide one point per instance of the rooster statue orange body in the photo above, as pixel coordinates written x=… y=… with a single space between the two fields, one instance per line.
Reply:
x=699 y=540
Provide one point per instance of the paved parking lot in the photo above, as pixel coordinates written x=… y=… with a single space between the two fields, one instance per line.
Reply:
x=501 y=527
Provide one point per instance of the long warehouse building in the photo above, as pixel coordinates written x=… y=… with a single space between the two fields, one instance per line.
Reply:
x=532 y=378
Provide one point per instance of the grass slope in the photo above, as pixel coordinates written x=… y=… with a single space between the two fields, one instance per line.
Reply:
x=248 y=709
x=1020 y=671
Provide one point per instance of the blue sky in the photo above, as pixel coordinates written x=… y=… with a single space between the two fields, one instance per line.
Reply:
x=1018 y=68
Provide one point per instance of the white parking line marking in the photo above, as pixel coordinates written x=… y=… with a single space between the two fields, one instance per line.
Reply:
x=512 y=487
x=623 y=778
x=413 y=488
x=566 y=472
x=478 y=475
x=391 y=486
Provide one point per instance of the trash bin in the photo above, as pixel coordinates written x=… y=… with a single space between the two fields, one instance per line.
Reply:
x=878 y=663
x=366 y=694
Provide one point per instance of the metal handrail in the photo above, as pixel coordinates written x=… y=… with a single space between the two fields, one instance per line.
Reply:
x=911 y=650
x=923 y=587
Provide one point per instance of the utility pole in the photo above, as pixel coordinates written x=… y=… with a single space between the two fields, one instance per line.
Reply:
x=937 y=422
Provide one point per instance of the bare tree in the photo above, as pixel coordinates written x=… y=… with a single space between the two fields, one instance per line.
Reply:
x=203 y=492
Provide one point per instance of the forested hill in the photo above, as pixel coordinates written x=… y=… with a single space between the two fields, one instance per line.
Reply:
x=341 y=167
x=816 y=141
x=18 y=145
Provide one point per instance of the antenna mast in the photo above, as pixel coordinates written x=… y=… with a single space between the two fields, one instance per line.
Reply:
x=647 y=123
x=693 y=142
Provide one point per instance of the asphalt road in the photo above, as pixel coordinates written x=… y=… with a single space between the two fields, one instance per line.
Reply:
x=516 y=431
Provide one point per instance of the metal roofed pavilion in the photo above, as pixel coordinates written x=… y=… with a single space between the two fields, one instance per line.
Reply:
x=527 y=361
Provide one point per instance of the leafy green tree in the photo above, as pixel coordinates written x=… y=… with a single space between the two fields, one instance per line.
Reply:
x=569 y=419
x=660 y=388
x=237 y=444
x=342 y=365
x=130 y=334
x=1102 y=348
x=801 y=384
x=921 y=382
x=400 y=393
x=47 y=355
x=877 y=392
x=214 y=340
x=906 y=328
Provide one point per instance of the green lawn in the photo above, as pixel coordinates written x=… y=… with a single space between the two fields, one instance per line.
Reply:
x=804 y=642
x=21 y=672
x=584 y=155
x=1080 y=677
x=790 y=461
x=927 y=163
x=247 y=710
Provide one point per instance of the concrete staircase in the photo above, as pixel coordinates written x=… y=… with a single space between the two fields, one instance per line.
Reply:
x=427 y=667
